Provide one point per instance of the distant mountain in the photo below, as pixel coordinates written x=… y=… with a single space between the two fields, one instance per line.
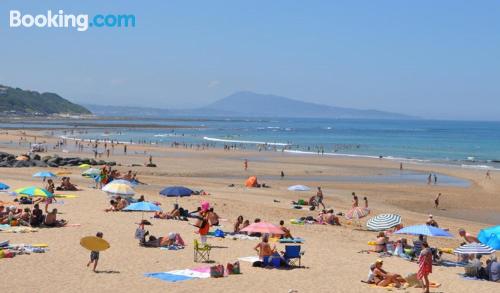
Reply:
x=18 y=101
x=260 y=105
x=249 y=104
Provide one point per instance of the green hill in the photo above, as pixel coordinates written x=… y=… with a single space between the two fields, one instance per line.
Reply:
x=18 y=101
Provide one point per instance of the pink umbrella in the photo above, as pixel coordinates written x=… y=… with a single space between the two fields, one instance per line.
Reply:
x=263 y=227
x=357 y=213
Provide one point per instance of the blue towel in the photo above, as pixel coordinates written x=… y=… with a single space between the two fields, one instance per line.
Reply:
x=168 y=277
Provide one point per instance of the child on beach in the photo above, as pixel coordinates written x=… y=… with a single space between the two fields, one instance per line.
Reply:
x=94 y=255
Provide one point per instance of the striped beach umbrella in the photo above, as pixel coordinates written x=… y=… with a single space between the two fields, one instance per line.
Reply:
x=424 y=230
x=383 y=222
x=357 y=213
x=474 y=248
x=34 y=191
x=92 y=172
x=119 y=189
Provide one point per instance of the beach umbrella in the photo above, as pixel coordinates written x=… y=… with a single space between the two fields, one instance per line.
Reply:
x=84 y=166
x=357 y=213
x=263 y=227
x=4 y=186
x=123 y=181
x=474 y=248
x=490 y=236
x=44 y=174
x=34 y=191
x=178 y=191
x=383 y=222
x=299 y=188
x=117 y=188
x=143 y=206
x=92 y=172
x=424 y=230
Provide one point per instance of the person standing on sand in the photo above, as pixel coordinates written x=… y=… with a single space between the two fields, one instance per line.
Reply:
x=355 y=202
x=124 y=149
x=245 y=164
x=425 y=266
x=488 y=175
x=319 y=197
x=436 y=201
x=435 y=179
x=429 y=179
x=400 y=166
x=282 y=174
x=94 y=255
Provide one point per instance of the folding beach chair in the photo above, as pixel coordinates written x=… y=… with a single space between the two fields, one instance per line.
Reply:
x=201 y=252
x=292 y=253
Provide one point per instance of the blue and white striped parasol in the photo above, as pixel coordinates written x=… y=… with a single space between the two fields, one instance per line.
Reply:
x=474 y=248
x=383 y=222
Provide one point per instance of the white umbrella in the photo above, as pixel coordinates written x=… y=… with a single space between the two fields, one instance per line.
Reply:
x=299 y=188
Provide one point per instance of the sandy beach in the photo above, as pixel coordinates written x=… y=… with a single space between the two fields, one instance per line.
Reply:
x=332 y=262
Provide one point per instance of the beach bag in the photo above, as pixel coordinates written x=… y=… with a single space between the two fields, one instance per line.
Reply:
x=217 y=271
x=219 y=233
x=229 y=268
x=301 y=202
x=233 y=268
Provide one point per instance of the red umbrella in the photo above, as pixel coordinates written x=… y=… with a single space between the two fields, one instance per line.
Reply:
x=263 y=227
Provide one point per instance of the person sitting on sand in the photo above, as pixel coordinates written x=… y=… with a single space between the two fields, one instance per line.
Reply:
x=381 y=242
x=213 y=218
x=382 y=278
x=331 y=218
x=237 y=224
x=37 y=216
x=141 y=198
x=245 y=224
x=263 y=248
x=51 y=220
x=24 y=219
x=417 y=245
x=431 y=222
x=467 y=237
x=286 y=231
x=175 y=213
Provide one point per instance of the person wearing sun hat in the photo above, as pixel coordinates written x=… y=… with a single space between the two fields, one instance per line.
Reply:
x=380 y=277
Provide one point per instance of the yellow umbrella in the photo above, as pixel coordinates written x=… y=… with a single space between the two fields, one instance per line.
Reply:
x=34 y=191
x=84 y=166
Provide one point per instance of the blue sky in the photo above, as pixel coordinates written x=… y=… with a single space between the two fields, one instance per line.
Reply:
x=434 y=59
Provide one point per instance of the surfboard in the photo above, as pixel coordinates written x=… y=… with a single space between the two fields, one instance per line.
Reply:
x=94 y=243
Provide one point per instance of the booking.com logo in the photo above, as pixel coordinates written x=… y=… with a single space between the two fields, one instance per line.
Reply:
x=80 y=22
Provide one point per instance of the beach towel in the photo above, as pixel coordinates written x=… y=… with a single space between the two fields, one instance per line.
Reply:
x=171 y=247
x=242 y=237
x=250 y=259
x=181 y=275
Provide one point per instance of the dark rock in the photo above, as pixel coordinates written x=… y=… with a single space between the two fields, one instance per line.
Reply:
x=151 y=165
x=46 y=158
x=39 y=163
x=21 y=164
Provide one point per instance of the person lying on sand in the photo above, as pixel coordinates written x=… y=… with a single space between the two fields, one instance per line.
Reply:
x=175 y=213
x=469 y=238
x=431 y=222
x=112 y=206
x=66 y=185
x=52 y=221
x=330 y=218
x=380 y=277
x=121 y=203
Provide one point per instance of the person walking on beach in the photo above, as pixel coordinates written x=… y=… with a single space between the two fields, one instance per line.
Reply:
x=319 y=197
x=282 y=174
x=125 y=149
x=435 y=179
x=401 y=166
x=94 y=255
x=488 y=175
x=425 y=266
x=245 y=164
x=436 y=201
x=355 y=202
x=429 y=179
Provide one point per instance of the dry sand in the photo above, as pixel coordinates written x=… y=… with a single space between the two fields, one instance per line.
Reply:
x=331 y=261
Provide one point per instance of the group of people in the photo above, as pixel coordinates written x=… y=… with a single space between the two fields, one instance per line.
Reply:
x=27 y=217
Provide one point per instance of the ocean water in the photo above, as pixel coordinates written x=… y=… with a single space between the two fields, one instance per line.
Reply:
x=466 y=143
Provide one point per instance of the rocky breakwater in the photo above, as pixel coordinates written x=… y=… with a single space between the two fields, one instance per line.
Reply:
x=35 y=160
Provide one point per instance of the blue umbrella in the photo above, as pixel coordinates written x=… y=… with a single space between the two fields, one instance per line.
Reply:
x=143 y=206
x=44 y=174
x=490 y=236
x=176 y=191
x=424 y=230
x=4 y=186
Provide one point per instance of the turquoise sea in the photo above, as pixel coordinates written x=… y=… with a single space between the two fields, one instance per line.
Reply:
x=466 y=143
